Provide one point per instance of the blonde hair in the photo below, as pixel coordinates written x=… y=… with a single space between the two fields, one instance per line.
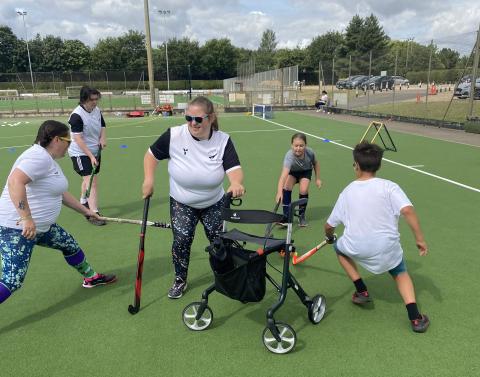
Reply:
x=207 y=105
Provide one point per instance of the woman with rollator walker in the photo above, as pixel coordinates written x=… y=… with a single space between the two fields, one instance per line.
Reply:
x=29 y=207
x=199 y=156
x=298 y=164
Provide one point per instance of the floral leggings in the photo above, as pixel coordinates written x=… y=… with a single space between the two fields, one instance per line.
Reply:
x=184 y=221
x=16 y=251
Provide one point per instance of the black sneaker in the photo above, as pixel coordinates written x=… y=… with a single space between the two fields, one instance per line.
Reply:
x=421 y=324
x=179 y=286
x=94 y=221
x=302 y=221
x=98 y=279
x=361 y=298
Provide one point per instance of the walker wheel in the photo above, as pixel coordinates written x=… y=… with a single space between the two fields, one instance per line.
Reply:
x=316 y=310
x=191 y=311
x=287 y=336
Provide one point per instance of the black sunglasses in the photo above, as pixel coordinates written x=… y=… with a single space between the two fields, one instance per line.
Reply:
x=189 y=118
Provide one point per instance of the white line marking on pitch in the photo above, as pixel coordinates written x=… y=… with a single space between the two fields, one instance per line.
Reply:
x=416 y=166
x=250 y=131
x=16 y=146
x=384 y=159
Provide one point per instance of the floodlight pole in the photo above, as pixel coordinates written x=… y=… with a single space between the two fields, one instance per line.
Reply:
x=148 y=45
x=23 y=13
x=165 y=13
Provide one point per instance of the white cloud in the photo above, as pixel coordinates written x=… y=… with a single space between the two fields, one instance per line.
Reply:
x=295 y=22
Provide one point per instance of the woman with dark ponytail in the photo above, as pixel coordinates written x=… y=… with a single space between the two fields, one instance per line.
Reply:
x=29 y=207
x=199 y=156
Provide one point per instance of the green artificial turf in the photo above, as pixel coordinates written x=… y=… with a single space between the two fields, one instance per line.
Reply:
x=53 y=327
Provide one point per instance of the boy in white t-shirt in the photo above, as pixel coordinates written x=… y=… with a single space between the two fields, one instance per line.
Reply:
x=369 y=208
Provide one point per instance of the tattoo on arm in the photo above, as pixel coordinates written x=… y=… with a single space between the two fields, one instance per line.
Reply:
x=21 y=204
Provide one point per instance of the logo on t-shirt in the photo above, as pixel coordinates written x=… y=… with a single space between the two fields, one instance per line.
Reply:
x=185 y=150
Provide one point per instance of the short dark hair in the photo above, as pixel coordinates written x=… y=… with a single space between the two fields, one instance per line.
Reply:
x=368 y=156
x=300 y=135
x=49 y=130
x=324 y=92
x=86 y=92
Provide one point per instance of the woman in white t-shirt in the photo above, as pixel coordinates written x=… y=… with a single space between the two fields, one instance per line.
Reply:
x=29 y=207
x=370 y=208
x=199 y=156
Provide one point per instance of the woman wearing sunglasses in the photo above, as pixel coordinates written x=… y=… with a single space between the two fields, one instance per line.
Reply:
x=29 y=207
x=199 y=156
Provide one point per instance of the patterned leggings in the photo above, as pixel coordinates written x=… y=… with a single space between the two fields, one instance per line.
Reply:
x=184 y=221
x=16 y=251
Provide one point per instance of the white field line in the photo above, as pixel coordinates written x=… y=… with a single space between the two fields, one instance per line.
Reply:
x=417 y=166
x=253 y=131
x=410 y=133
x=16 y=146
x=384 y=159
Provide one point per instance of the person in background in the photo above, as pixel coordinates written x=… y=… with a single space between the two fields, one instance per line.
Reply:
x=199 y=156
x=89 y=137
x=298 y=164
x=370 y=208
x=29 y=207
x=322 y=102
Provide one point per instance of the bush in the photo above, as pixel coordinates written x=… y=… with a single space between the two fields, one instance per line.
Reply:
x=473 y=126
x=436 y=75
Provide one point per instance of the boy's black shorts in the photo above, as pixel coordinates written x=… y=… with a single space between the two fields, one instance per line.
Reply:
x=83 y=166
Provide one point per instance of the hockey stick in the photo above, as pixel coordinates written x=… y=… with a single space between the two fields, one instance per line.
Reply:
x=308 y=254
x=156 y=224
x=94 y=171
x=133 y=309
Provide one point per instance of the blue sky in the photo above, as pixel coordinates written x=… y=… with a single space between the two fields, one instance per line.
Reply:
x=450 y=23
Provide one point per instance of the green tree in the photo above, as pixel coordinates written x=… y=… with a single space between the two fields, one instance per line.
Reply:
x=323 y=49
x=353 y=35
x=218 y=59
x=265 y=56
x=107 y=54
x=373 y=37
x=448 y=57
x=181 y=53
x=133 y=53
x=8 y=46
x=50 y=58
x=75 y=55
x=286 y=57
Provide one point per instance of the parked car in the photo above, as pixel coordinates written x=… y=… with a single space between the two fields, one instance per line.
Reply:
x=378 y=83
x=356 y=82
x=342 y=84
x=463 y=89
x=400 y=80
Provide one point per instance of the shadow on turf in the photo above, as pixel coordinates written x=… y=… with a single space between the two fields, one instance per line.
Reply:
x=152 y=271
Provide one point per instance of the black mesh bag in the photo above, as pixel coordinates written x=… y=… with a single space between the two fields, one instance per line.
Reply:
x=239 y=273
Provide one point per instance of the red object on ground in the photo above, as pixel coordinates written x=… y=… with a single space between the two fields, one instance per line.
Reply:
x=136 y=114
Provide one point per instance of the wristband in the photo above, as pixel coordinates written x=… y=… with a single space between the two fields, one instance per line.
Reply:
x=25 y=217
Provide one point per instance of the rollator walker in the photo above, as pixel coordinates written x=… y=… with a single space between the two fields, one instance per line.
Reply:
x=240 y=274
